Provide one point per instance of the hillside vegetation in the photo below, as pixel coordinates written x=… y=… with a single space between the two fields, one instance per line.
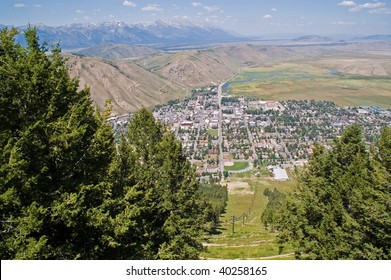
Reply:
x=341 y=207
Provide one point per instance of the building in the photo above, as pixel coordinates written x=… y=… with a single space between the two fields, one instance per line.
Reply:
x=280 y=174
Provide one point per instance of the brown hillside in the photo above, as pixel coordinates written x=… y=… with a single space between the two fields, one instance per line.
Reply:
x=128 y=85
x=211 y=66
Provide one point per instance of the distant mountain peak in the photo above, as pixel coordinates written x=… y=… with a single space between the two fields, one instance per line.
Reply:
x=177 y=31
x=380 y=37
x=312 y=38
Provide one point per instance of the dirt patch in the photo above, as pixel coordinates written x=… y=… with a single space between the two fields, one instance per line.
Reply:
x=198 y=163
x=227 y=156
x=239 y=188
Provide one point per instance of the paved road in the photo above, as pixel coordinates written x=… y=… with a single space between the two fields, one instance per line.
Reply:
x=280 y=138
x=220 y=139
x=220 y=131
x=251 y=139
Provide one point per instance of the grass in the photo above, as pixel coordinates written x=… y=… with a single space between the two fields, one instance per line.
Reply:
x=238 y=165
x=249 y=239
x=287 y=81
x=213 y=132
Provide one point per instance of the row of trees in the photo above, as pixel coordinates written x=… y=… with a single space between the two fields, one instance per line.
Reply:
x=66 y=191
x=341 y=206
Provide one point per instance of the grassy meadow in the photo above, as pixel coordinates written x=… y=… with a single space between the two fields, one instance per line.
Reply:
x=213 y=132
x=300 y=81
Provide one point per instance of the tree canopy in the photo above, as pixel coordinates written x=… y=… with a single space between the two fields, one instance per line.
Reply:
x=160 y=205
x=342 y=204
x=66 y=190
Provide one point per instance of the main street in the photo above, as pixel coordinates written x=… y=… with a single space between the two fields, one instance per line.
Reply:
x=220 y=130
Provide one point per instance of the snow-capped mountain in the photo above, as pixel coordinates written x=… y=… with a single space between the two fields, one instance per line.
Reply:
x=159 y=33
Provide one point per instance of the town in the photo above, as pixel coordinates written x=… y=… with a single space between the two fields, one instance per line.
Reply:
x=223 y=134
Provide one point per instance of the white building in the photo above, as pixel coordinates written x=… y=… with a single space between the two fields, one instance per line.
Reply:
x=280 y=174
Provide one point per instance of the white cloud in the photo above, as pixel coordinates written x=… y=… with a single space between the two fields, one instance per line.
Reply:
x=386 y=11
x=19 y=5
x=267 y=16
x=374 y=5
x=279 y=24
x=196 y=4
x=212 y=9
x=37 y=6
x=79 y=11
x=152 y=7
x=111 y=16
x=128 y=4
x=342 y=23
x=274 y=10
x=347 y=3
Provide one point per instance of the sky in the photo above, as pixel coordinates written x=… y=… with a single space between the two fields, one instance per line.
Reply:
x=246 y=17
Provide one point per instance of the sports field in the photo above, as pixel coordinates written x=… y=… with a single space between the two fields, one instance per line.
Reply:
x=237 y=165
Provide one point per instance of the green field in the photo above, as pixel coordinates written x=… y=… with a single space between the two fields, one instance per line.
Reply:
x=213 y=132
x=300 y=81
x=248 y=239
x=238 y=165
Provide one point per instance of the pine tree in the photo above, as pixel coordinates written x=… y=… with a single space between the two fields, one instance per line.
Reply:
x=384 y=146
x=341 y=206
x=55 y=152
x=161 y=202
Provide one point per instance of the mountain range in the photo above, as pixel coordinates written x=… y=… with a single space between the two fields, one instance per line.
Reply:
x=161 y=34
x=158 y=34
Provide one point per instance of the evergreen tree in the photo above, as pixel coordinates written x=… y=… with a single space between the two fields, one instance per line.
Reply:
x=342 y=204
x=55 y=152
x=158 y=205
x=385 y=148
x=275 y=202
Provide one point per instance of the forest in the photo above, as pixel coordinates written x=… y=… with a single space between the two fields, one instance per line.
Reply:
x=340 y=208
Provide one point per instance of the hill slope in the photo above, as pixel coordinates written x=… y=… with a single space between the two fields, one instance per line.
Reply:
x=117 y=51
x=128 y=85
x=155 y=79
x=212 y=66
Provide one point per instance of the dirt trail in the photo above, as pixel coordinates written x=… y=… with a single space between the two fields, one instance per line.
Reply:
x=236 y=246
x=262 y=258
